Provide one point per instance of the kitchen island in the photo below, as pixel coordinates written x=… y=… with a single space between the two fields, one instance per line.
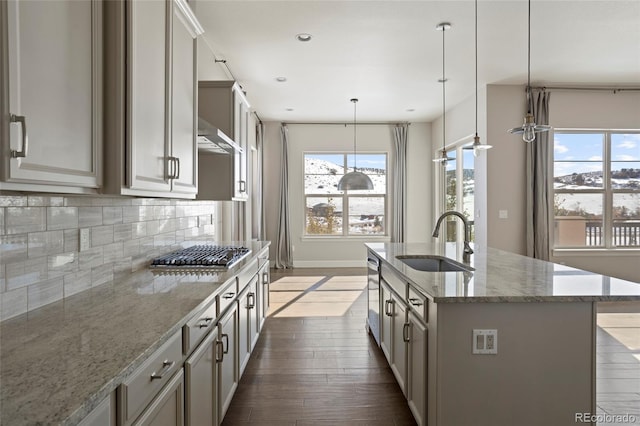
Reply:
x=60 y=362
x=540 y=368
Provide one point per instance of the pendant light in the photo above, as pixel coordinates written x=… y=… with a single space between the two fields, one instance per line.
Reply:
x=354 y=180
x=477 y=146
x=529 y=128
x=443 y=157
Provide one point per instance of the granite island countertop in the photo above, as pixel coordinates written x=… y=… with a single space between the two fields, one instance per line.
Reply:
x=501 y=276
x=58 y=362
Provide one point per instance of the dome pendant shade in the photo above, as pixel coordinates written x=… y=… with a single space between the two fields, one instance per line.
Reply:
x=443 y=157
x=355 y=181
x=529 y=129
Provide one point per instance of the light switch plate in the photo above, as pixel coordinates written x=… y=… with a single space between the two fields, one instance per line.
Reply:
x=503 y=214
x=485 y=342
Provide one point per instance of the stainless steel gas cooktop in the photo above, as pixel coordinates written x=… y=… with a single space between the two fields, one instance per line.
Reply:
x=202 y=257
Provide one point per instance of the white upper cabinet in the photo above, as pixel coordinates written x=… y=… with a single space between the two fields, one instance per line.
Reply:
x=151 y=103
x=51 y=95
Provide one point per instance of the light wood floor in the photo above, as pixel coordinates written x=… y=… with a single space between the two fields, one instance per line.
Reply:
x=314 y=363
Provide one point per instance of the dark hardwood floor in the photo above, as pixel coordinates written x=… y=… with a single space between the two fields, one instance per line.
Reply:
x=314 y=363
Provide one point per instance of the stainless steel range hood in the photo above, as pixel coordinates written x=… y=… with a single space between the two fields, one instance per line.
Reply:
x=213 y=140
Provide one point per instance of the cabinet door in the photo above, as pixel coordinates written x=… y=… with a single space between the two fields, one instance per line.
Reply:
x=167 y=408
x=241 y=135
x=417 y=369
x=244 y=325
x=227 y=360
x=147 y=94
x=265 y=280
x=398 y=343
x=386 y=321
x=201 y=384
x=52 y=136
x=183 y=101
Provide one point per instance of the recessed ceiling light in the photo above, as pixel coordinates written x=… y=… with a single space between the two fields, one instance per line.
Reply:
x=289 y=109
x=410 y=109
x=303 y=37
x=281 y=79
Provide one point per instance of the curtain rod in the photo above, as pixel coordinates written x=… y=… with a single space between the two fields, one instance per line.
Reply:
x=334 y=123
x=599 y=89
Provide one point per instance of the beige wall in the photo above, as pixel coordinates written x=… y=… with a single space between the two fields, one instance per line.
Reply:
x=371 y=138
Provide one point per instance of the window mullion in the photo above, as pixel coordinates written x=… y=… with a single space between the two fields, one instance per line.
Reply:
x=607 y=210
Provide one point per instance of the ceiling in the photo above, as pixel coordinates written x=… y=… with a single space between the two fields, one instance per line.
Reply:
x=389 y=53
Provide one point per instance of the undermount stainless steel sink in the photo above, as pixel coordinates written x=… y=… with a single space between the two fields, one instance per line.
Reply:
x=431 y=263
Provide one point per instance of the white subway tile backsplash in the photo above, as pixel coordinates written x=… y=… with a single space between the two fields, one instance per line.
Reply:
x=40 y=261
x=13 y=248
x=101 y=235
x=44 y=292
x=89 y=216
x=13 y=303
x=62 y=218
x=21 y=220
x=45 y=243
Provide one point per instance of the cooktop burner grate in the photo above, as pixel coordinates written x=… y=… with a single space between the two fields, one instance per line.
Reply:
x=202 y=256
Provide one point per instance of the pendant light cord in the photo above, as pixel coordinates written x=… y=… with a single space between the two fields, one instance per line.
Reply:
x=476 y=46
x=444 y=110
x=529 y=57
x=355 y=162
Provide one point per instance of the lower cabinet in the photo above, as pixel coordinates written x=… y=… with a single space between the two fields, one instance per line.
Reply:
x=104 y=414
x=201 y=383
x=392 y=334
x=248 y=323
x=417 y=375
x=265 y=279
x=168 y=407
x=228 y=376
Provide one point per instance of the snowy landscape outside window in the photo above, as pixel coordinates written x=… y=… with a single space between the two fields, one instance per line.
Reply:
x=596 y=183
x=330 y=212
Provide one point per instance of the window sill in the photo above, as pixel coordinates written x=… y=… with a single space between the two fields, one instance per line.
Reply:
x=596 y=252
x=355 y=238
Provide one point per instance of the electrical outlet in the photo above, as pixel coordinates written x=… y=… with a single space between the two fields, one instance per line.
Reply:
x=503 y=214
x=85 y=239
x=485 y=342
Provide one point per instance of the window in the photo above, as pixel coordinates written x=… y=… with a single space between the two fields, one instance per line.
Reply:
x=596 y=181
x=327 y=209
x=460 y=187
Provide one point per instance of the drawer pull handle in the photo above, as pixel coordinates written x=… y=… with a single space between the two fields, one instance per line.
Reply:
x=243 y=186
x=388 y=304
x=415 y=301
x=252 y=297
x=225 y=348
x=204 y=322
x=405 y=332
x=228 y=295
x=23 y=123
x=265 y=278
x=219 y=351
x=166 y=366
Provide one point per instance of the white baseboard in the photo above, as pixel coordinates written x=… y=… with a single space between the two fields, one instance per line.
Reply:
x=330 y=263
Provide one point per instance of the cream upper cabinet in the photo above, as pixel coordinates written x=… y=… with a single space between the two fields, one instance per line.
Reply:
x=51 y=95
x=151 y=103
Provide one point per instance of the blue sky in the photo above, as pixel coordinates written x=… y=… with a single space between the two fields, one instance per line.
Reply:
x=376 y=161
x=583 y=152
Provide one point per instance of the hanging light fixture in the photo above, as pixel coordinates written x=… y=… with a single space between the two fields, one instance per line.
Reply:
x=529 y=128
x=354 y=180
x=477 y=146
x=443 y=157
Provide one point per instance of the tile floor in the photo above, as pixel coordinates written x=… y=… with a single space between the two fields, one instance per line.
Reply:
x=315 y=364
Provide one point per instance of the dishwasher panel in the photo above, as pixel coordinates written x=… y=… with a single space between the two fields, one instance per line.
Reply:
x=373 y=297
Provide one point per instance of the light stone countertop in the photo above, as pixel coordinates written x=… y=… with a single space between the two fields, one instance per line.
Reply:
x=58 y=362
x=500 y=276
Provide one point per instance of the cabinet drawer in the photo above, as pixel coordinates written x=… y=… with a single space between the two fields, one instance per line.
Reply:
x=198 y=326
x=418 y=304
x=395 y=281
x=145 y=383
x=247 y=273
x=227 y=296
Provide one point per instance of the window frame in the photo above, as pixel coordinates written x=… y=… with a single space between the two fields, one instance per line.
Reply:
x=344 y=195
x=607 y=192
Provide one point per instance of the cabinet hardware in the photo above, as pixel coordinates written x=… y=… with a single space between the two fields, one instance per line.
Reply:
x=387 y=305
x=173 y=163
x=177 y=160
x=204 y=322
x=228 y=295
x=253 y=301
x=226 y=338
x=415 y=301
x=166 y=366
x=243 y=186
x=405 y=332
x=219 y=351
x=23 y=123
x=265 y=278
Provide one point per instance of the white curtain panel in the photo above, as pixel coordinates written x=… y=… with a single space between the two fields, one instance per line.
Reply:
x=538 y=159
x=400 y=134
x=284 y=259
